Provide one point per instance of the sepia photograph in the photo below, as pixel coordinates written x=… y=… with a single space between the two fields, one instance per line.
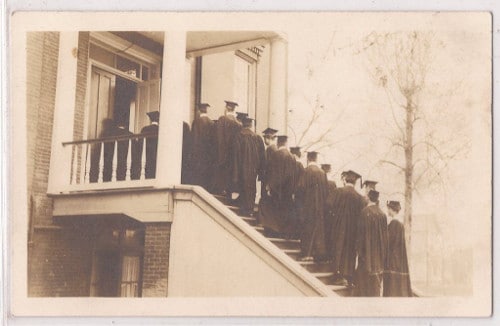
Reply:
x=338 y=159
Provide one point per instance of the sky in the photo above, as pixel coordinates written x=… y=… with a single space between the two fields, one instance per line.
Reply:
x=327 y=64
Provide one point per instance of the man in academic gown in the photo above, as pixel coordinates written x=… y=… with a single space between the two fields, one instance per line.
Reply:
x=275 y=210
x=151 y=134
x=345 y=206
x=202 y=134
x=312 y=192
x=122 y=151
x=368 y=185
x=371 y=248
x=249 y=160
x=297 y=174
x=327 y=168
x=268 y=137
x=227 y=128
x=240 y=116
x=187 y=171
x=397 y=276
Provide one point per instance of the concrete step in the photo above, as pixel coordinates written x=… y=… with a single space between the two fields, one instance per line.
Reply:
x=314 y=267
x=259 y=228
x=285 y=243
x=250 y=220
x=325 y=277
x=293 y=253
x=343 y=291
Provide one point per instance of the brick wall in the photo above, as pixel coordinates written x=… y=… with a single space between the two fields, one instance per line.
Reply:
x=60 y=264
x=42 y=55
x=156 y=253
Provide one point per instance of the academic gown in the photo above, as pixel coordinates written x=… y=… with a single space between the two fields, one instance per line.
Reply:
x=203 y=156
x=122 y=153
x=312 y=193
x=151 y=133
x=186 y=174
x=371 y=247
x=249 y=160
x=332 y=186
x=345 y=205
x=397 y=277
x=275 y=210
x=270 y=150
x=227 y=128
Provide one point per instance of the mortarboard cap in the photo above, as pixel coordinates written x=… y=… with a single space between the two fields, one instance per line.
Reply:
x=154 y=115
x=247 y=121
x=282 y=139
x=373 y=195
x=203 y=105
x=369 y=183
x=326 y=167
x=241 y=115
x=350 y=176
x=312 y=155
x=295 y=150
x=231 y=104
x=395 y=205
x=270 y=131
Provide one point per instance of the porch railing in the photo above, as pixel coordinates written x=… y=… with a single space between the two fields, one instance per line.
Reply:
x=112 y=161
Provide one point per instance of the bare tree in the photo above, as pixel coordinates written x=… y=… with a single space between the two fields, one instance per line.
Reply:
x=399 y=63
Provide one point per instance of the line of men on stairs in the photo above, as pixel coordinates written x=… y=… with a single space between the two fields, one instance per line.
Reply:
x=335 y=225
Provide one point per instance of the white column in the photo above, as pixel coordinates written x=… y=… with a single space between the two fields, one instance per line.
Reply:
x=172 y=104
x=64 y=112
x=278 y=105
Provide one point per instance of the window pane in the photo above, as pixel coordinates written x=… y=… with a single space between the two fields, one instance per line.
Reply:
x=99 y=54
x=127 y=66
x=130 y=276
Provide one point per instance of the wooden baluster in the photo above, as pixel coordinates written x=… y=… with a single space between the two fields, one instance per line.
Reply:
x=143 y=159
x=84 y=175
x=129 y=160
x=101 y=164
x=115 y=161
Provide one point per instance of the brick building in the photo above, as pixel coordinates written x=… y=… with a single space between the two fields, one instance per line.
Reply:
x=137 y=236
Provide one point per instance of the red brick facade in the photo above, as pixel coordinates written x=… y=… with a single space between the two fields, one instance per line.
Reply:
x=60 y=257
x=156 y=254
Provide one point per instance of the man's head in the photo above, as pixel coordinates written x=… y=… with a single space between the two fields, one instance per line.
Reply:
x=269 y=135
x=393 y=207
x=350 y=177
x=296 y=152
x=247 y=122
x=312 y=156
x=327 y=168
x=373 y=196
x=203 y=107
x=369 y=185
x=241 y=115
x=154 y=116
x=282 y=140
x=230 y=106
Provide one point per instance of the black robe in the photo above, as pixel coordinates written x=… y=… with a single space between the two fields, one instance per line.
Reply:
x=312 y=192
x=227 y=128
x=275 y=210
x=203 y=152
x=187 y=172
x=249 y=160
x=122 y=153
x=371 y=247
x=270 y=150
x=332 y=186
x=345 y=205
x=151 y=134
x=397 y=276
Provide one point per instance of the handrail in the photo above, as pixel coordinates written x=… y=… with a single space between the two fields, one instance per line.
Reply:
x=110 y=139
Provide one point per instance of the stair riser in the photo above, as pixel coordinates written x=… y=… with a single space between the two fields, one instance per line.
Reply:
x=344 y=292
x=286 y=245
x=319 y=268
x=293 y=255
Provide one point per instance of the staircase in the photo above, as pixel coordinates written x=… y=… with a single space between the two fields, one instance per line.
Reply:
x=322 y=271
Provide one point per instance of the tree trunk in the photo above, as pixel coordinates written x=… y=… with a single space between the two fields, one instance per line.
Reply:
x=408 y=170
